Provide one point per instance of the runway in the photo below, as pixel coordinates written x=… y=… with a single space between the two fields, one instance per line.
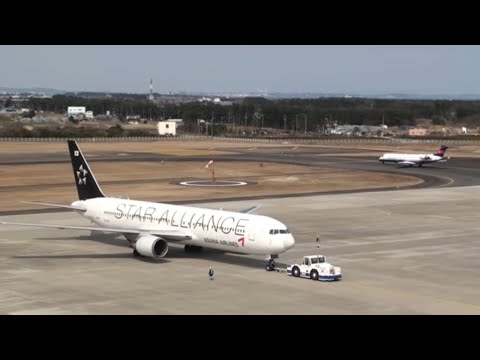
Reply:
x=402 y=251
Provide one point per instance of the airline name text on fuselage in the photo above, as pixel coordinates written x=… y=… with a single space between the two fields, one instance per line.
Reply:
x=183 y=218
x=221 y=242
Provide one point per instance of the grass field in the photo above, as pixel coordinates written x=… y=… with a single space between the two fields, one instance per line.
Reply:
x=158 y=181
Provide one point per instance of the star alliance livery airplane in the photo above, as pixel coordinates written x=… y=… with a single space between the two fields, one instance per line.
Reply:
x=149 y=227
x=415 y=159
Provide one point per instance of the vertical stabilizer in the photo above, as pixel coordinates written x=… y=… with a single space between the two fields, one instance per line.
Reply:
x=441 y=151
x=87 y=186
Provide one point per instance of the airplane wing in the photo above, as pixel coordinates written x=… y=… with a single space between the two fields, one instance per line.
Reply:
x=78 y=208
x=251 y=209
x=406 y=163
x=173 y=235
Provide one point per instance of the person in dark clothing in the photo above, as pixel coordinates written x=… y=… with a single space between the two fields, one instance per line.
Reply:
x=210 y=273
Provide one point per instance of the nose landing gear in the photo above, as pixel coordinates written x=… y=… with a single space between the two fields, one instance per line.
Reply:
x=270 y=265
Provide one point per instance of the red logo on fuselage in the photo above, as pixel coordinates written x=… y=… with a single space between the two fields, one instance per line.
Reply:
x=242 y=240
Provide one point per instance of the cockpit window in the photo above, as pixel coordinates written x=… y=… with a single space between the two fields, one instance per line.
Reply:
x=281 y=231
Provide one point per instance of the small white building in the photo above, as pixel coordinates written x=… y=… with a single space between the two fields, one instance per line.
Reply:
x=89 y=114
x=76 y=110
x=167 y=128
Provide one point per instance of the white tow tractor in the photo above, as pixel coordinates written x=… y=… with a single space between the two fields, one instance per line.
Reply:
x=316 y=268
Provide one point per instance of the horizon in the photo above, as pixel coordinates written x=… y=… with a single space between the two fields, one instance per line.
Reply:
x=271 y=69
x=272 y=95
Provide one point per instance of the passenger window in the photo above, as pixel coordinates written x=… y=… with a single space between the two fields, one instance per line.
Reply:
x=314 y=261
x=275 y=231
x=271 y=232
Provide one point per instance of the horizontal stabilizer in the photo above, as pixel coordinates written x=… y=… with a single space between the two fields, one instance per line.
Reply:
x=78 y=208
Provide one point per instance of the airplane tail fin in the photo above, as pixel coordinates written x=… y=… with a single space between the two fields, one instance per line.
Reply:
x=441 y=151
x=87 y=186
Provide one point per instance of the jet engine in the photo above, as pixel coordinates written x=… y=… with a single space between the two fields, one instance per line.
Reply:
x=151 y=246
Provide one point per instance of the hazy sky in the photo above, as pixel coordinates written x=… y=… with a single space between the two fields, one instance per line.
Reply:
x=317 y=68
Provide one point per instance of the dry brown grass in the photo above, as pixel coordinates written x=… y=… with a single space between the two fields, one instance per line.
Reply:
x=159 y=182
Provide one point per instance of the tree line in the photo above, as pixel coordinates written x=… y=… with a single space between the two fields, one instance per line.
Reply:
x=286 y=114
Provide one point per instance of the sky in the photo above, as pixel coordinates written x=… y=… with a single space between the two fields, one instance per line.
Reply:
x=416 y=69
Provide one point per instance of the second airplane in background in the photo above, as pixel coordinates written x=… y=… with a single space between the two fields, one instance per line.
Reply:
x=415 y=159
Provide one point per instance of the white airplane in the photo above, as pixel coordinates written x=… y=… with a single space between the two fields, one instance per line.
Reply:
x=415 y=159
x=149 y=226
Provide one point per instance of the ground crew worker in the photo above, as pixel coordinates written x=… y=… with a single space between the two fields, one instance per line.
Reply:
x=210 y=273
x=318 y=240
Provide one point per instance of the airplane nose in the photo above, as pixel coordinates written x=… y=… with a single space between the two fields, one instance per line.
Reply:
x=288 y=242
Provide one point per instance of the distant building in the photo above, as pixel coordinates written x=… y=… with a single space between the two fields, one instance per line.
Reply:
x=167 y=128
x=89 y=114
x=357 y=130
x=417 y=132
x=10 y=110
x=176 y=121
x=76 y=110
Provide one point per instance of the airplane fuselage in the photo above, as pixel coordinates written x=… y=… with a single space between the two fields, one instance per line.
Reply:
x=217 y=229
x=410 y=158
